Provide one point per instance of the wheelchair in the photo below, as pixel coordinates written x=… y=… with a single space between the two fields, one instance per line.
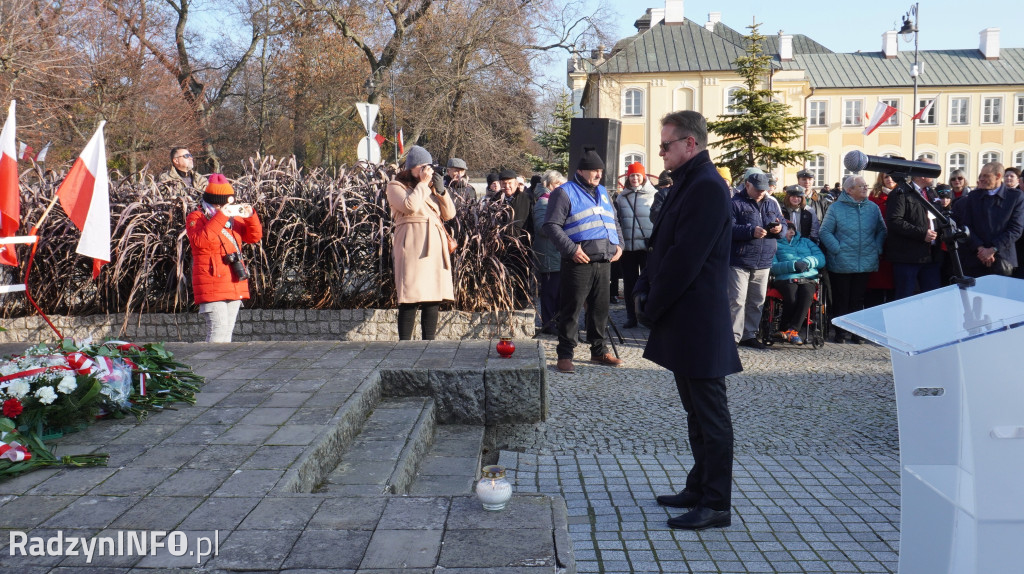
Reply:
x=815 y=325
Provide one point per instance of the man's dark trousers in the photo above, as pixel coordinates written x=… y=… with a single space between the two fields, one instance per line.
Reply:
x=632 y=263
x=583 y=282
x=913 y=278
x=711 y=441
x=550 y=284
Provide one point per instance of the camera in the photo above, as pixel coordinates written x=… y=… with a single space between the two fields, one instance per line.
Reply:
x=237 y=266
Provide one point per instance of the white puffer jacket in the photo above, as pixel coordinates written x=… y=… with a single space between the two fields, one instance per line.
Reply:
x=634 y=212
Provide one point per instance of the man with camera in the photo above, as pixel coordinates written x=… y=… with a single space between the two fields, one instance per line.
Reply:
x=756 y=223
x=216 y=232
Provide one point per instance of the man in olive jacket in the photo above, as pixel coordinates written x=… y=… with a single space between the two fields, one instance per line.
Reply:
x=687 y=309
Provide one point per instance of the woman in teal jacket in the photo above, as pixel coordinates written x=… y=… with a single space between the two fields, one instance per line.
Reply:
x=794 y=271
x=852 y=234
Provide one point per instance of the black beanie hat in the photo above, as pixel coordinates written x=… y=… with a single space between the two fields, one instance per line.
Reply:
x=590 y=160
x=665 y=179
x=492 y=177
x=507 y=174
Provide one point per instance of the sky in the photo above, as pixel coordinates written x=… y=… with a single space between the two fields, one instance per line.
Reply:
x=843 y=26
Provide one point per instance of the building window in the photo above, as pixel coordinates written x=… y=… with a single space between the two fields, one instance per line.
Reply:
x=989 y=157
x=853 y=112
x=633 y=102
x=926 y=155
x=958 y=111
x=1020 y=110
x=894 y=120
x=816 y=165
x=992 y=110
x=1018 y=160
x=817 y=113
x=928 y=118
x=732 y=100
x=632 y=158
x=957 y=161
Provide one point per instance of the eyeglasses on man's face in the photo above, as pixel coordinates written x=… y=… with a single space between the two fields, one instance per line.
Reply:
x=186 y=156
x=665 y=145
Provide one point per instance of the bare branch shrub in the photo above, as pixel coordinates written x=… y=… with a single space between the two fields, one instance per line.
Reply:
x=326 y=245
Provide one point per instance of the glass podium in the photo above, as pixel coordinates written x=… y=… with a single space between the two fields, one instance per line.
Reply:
x=959 y=375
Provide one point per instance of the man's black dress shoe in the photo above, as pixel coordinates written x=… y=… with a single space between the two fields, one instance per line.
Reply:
x=684 y=499
x=753 y=344
x=700 y=518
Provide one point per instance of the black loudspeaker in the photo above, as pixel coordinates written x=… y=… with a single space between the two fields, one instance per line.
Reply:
x=602 y=135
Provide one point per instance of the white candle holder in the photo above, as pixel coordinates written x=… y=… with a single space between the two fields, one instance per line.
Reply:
x=493 y=489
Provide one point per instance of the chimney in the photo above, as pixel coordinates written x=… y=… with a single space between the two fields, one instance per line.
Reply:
x=890 y=41
x=990 y=43
x=673 y=11
x=785 y=47
x=657 y=16
x=713 y=18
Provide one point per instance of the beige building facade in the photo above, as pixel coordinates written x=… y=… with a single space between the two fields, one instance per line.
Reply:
x=673 y=63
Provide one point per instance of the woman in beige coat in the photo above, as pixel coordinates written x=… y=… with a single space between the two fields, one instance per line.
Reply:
x=423 y=268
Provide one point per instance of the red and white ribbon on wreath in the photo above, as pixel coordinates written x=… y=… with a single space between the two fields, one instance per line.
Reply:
x=13 y=451
x=80 y=362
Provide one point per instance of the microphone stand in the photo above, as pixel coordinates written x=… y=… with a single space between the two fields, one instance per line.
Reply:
x=951 y=233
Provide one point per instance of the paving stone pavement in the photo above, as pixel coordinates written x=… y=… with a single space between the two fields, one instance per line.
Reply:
x=816 y=481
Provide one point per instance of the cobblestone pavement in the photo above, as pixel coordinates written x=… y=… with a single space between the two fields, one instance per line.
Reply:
x=816 y=482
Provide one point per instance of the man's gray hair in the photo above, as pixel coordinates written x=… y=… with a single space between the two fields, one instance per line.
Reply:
x=552 y=176
x=688 y=123
x=994 y=167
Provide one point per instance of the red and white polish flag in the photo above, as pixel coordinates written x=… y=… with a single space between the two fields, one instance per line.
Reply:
x=401 y=142
x=883 y=112
x=84 y=196
x=923 y=111
x=10 y=198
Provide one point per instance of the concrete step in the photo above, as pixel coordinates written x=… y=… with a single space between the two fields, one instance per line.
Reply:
x=453 y=464
x=382 y=458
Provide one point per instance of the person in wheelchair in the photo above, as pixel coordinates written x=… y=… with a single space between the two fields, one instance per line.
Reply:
x=794 y=274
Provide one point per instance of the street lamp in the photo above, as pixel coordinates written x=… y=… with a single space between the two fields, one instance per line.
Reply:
x=371 y=86
x=915 y=70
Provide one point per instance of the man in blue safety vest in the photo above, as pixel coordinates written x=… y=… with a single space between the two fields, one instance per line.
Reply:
x=581 y=223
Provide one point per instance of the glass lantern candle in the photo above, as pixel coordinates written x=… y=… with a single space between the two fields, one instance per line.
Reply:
x=493 y=489
x=506 y=347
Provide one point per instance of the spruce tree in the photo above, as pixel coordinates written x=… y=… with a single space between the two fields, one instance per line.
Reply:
x=756 y=131
x=555 y=138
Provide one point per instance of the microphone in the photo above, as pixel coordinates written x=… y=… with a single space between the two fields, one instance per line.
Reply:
x=859 y=161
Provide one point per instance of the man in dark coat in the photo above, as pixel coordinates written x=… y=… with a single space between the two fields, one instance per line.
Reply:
x=911 y=241
x=994 y=213
x=687 y=309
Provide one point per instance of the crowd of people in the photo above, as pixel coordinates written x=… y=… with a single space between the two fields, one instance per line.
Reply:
x=696 y=256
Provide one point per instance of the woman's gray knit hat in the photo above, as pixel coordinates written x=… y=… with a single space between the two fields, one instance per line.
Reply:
x=417 y=156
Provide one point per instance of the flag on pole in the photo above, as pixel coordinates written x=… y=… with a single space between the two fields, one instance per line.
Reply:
x=923 y=111
x=401 y=142
x=84 y=196
x=41 y=156
x=379 y=138
x=883 y=112
x=10 y=198
x=23 y=151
